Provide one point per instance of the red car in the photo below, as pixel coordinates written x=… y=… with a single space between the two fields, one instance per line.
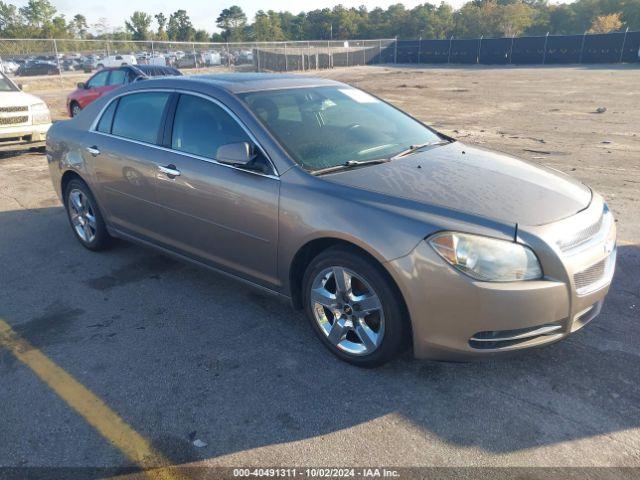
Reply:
x=109 y=79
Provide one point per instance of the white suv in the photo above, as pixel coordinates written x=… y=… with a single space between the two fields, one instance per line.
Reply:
x=24 y=118
x=117 y=61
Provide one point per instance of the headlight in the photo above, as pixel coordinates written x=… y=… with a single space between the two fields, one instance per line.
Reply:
x=487 y=259
x=40 y=113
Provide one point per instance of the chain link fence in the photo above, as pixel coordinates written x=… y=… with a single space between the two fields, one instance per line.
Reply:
x=26 y=57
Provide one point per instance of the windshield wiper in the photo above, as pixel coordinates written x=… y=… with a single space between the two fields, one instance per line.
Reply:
x=349 y=164
x=415 y=148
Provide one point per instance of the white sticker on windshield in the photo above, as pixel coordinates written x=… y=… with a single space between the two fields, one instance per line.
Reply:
x=358 y=95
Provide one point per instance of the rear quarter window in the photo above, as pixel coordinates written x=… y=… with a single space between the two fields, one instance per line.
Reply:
x=104 y=125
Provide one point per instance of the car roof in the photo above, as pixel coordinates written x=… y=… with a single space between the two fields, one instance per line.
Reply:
x=155 y=70
x=235 y=83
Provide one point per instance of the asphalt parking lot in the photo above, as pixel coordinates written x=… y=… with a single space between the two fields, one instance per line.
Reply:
x=178 y=354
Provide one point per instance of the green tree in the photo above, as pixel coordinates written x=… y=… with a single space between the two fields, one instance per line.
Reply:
x=79 y=25
x=201 y=36
x=161 y=20
x=179 y=27
x=232 y=21
x=138 y=25
x=38 y=12
x=11 y=23
x=266 y=27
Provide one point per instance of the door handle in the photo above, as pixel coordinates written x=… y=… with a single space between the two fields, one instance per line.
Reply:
x=169 y=170
x=93 y=151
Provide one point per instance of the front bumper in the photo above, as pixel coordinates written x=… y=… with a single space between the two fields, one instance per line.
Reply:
x=455 y=317
x=23 y=135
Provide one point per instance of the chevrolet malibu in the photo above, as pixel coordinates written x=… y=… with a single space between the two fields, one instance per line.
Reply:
x=387 y=233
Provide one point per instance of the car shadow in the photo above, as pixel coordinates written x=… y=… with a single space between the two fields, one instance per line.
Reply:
x=183 y=353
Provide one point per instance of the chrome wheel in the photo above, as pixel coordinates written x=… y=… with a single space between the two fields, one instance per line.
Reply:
x=82 y=215
x=75 y=109
x=348 y=310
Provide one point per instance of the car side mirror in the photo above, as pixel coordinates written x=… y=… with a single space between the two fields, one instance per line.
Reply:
x=82 y=85
x=240 y=153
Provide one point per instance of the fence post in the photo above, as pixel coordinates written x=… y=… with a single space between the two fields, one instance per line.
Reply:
x=380 y=51
x=348 y=47
x=449 y=55
x=395 y=52
x=479 y=48
x=364 y=52
x=195 y=59
x=256 y=46
x=511 y=49
x=55 y=49
x=624 y=40
x=228 y=56
x=419 y=45
x=584 y=35
x=108 y=48
x=286 y=60
x=152 y=51
x=544 y=53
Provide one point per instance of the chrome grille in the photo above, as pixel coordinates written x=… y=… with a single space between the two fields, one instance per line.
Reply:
x=14 y=120
x=13 y=109
x=590 y=276
x=581 y=236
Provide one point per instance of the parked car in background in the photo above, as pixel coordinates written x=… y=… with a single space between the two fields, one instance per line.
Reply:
x=156 y=59
x=8 y=66
x=89 y=63
x=212 y=58
x=24 y=118
x=116 y=61
x=190 y=60
x=386 y=232
x=37 y=67
x=109 y=79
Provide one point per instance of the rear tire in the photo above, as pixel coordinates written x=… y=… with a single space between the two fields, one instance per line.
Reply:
x=364 y=322
x=85 y=217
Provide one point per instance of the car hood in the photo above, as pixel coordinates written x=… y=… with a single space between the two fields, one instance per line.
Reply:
x=14 y=99
x=491 y=185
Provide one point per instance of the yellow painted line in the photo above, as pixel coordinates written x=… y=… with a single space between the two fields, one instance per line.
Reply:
x=133 y=445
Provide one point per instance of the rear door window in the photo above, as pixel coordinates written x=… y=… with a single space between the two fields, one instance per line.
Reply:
x=139 y=116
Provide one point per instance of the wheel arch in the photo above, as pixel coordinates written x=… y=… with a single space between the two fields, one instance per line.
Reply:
x=69 y=175
x=307 y=252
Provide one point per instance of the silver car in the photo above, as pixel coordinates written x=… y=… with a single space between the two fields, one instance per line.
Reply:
x=387 y=233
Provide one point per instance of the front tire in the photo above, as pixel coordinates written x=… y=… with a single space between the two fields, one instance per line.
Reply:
x=354 y=308
x=85 y=217
x=75 y=109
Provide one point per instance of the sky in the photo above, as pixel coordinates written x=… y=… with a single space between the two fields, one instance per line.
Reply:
x=203 y=13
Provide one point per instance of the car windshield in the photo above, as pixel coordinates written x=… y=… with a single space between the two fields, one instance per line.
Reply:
x=325 y=127
x=7 y=85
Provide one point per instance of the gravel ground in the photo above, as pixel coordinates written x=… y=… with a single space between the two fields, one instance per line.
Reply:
x=175 y=350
